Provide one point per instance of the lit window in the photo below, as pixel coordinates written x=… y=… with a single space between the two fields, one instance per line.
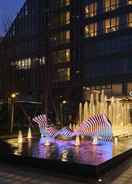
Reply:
x=67 y=17
x=23 y=64
x=91 y=30
x=67 y=2
x=110 y=5
x=42 y=61
x=68 y=55
x=111 y=25
x=130 y=2
x=63 y=74
x=91 y=10
x=67 y=36
x=60 y=37
x=62 y=3
x=61 y=56
x=130 y=20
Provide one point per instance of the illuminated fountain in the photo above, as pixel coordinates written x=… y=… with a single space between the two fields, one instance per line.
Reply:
x=95 y=140
x=100 y=119
x=70 y=126
x=64 y=156
x=117 y=112
x=77 y=141
x=20 y=137
x=47 y=143
x=116 y=140
x=29 y=135
x=95 y=125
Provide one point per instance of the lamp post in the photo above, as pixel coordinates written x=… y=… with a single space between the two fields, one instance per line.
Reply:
x=13 y=97
x=62 y=111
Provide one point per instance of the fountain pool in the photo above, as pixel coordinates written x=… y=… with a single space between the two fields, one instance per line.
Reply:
x=65 y=156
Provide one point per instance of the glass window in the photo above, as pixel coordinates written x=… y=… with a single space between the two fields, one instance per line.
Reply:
x=116 y=89
x=67 y=17
x=62 y=74
x=61 y=3
x=67 y=2
x=91 y=10
x=61 y=56
x=60 y=19
x=110 y=5
x=23 y=64
x=129 y=20
x=129 y=2
x=61 y=37
x=111 y=25
x=91 y=30
x=64 y=18
x=67 y=35
x=129 y=87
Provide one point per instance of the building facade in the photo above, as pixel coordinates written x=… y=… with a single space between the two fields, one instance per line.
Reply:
x=56 y=49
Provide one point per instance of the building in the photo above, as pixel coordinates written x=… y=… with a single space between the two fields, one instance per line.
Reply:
x=107 y=38
x=57 y=48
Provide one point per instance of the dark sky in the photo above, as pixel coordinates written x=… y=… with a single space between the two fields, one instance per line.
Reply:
x=9 y=8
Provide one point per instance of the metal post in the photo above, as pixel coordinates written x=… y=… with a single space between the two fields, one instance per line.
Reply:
x=12 y=115
x=61 y=113
x=13 y=97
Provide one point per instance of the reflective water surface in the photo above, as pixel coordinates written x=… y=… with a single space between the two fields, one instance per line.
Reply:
x=66 y=151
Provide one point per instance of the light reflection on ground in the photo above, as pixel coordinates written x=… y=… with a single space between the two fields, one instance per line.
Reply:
x=86 y=153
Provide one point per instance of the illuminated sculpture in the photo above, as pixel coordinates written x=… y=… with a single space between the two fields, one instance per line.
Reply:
x=96 y=125
x=99 y=118
x=42 y=122
x=65 y=132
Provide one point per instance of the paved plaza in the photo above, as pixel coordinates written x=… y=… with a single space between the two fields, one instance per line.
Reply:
x=11 y=174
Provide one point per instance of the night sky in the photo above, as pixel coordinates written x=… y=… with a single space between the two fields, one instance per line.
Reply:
x=8 y=8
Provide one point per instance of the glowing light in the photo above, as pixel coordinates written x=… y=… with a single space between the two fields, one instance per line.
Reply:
x=64 y=102
x=116 y=120
x=47 y=143
x=70 y=126
x=100 y=180
x=77 y=141
x=20 y=137
x=95 y=140
x=29 y=136
x=116 y=140
x=13 y=95
x=64 y=156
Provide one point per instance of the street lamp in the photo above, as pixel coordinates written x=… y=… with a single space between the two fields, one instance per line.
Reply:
x=12 y=97
x=62 y=104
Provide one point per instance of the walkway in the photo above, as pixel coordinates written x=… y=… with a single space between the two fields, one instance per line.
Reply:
x=19 y=175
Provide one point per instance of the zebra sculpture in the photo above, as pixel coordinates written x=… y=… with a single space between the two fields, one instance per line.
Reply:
x=42 y=122
x=97 y=125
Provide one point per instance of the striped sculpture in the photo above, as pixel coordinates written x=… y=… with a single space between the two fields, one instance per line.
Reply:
x=66 y=132
x=42 y=122
x=52 y=132
x=97 y=125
